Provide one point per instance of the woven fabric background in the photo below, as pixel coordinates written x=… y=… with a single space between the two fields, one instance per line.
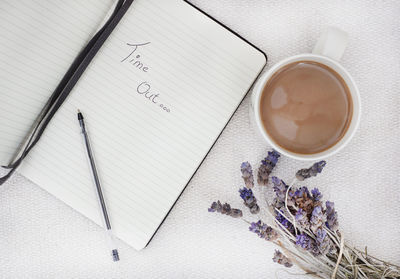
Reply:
x=40 y=237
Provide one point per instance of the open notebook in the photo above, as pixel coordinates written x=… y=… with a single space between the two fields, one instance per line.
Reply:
x=155 y=99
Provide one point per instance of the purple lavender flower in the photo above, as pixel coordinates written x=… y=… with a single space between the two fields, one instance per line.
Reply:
x=285 y=222
x=266 y=167
x=303 y=200
x=312 y=171
x=321 y=235
x=271 y=159
x=280 y=189
x=331 y=216
x=307 y=243
x=225 y=209
x=249 y=200
x=324 y=243
x=281 y=259
x=316 y=194
x=304 y=241
x=317 y=219
x=302 y=192
x=302 y=219
x=247 y=174
x=263 y=231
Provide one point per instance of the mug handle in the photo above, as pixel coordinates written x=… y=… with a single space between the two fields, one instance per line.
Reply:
x=331 y=43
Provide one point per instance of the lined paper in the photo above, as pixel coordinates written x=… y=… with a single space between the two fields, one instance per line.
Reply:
x=39 y=41
x=155 y=99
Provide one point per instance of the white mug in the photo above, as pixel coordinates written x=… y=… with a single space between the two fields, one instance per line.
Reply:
x=328 y=51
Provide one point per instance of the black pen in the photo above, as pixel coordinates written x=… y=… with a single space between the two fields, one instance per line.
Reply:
x=114 y=251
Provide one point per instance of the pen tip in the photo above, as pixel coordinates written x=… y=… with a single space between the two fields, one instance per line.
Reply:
x=80 y=116
x=115 y=255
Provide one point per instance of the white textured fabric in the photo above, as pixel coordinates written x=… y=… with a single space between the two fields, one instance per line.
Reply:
x=40 y=237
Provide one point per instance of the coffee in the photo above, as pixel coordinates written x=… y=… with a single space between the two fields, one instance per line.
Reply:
x=306 y=107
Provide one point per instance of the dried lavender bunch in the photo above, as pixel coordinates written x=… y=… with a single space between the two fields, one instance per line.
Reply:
x=247 y=174
x=249 y=200
x=312 y=171
x=225 y=209
x=305 y=228
x=266 y=167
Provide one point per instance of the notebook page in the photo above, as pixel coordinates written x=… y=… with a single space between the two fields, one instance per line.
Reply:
x=39 y=41
x=155 y=99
